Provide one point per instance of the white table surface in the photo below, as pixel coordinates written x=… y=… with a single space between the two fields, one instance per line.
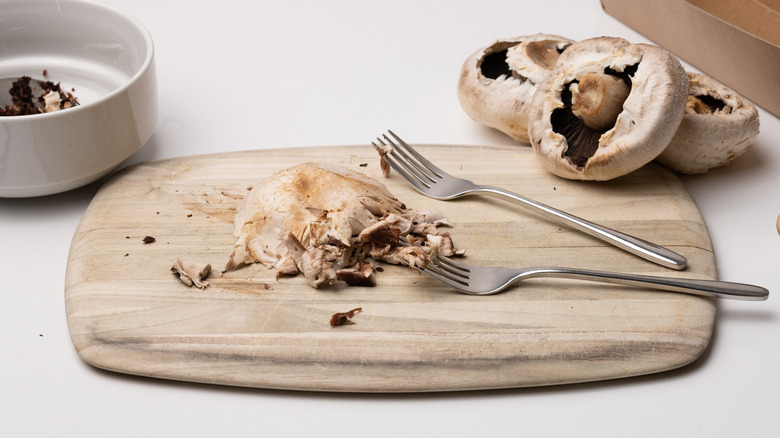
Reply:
x=306 y=73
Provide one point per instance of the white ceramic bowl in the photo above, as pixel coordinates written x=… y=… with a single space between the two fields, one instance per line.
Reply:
x=107 y=58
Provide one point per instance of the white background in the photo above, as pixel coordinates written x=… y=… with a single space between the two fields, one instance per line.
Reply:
x=236 y=75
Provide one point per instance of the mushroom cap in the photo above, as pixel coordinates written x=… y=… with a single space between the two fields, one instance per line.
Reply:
x=500 y=98
x=715 y=135
x=649 y=118
x=318 y=203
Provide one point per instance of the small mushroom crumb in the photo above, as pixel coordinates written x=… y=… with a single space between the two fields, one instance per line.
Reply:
x=31 y=96
x=345 y=318
x=363 y=164
x=192 y=274
x=149 y=239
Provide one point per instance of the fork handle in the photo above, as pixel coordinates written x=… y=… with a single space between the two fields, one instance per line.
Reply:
x=712 y=288
x=642 y=248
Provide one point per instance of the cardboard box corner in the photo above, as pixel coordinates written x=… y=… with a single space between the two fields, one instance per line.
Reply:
x=736 y=43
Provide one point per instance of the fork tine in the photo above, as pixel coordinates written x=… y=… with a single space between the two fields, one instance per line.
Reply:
x=445 y=276
x=440 y=266
x=440 y=173
x=454 y=282
x=418 y=169
x=405 y=164
x=463 y=268
x=417 y=182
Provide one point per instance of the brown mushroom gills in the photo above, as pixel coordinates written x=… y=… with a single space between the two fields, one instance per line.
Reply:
x=583 y=140
x=494 y=64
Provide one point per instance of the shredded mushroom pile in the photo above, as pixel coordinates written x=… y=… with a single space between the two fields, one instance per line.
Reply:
x=328 y=222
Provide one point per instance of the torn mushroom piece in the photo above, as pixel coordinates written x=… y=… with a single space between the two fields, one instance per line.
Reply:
x=608 y=108
x=192 y=273
x=497 y=82
x=719 y=125
x=344 y=318
x=326 y=221
x=383 y=164
x=442 y=245
x=362 y=274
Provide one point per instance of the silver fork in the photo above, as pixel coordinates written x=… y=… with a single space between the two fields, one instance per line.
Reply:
x=437 y=184
x=477 y=280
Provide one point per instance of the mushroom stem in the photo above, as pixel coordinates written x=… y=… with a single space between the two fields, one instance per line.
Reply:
x=533 y=60
x=541 y=54
x=598 y=99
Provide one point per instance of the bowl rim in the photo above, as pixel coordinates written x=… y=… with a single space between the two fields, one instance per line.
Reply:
x=142 y=69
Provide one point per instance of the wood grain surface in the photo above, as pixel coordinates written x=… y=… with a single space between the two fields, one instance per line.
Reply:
x=128 y=313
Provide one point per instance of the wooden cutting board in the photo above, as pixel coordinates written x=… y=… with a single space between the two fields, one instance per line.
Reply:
x=128 y=313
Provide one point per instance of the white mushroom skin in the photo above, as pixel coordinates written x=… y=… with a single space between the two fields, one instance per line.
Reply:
x=497 y=82
x=719 y=125
x=643 y=128
x=323 y=220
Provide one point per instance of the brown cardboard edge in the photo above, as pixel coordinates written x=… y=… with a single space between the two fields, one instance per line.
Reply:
x=736 y=58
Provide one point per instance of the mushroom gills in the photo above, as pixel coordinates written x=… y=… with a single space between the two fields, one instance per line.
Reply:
x=494 y=65
x=706 y=104
x=590 y=108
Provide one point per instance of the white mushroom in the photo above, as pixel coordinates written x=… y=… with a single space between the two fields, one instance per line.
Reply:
x=608 y=108
x=718 y=126
x=497 y=82
x=324 y=221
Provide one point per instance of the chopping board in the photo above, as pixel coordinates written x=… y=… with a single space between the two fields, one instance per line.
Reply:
x=128 y=313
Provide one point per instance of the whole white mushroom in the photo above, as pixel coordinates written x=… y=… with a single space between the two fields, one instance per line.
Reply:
x=719 y=125
x=498 y=82
x=607 y=108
